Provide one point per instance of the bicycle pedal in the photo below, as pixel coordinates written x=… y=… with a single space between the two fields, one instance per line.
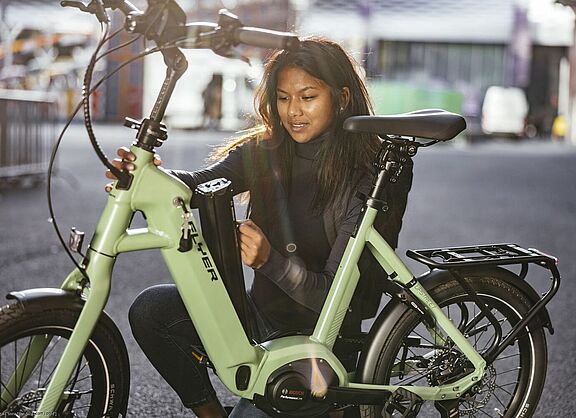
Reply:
x=404 y=402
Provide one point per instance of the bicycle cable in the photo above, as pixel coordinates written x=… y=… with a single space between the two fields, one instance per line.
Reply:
x=56 y=146
x=51 y=167
x=118 y=173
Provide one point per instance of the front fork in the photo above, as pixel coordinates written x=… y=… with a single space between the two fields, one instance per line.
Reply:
x=95 y=302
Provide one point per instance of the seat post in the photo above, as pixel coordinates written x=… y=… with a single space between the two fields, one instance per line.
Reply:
x=389 y=163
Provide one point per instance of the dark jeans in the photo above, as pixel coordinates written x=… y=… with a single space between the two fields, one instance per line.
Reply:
x=163 y=329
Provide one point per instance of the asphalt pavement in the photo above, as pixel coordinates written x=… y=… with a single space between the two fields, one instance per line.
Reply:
x=494 y=191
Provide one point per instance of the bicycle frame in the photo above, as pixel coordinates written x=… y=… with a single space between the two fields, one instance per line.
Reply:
x=156 y=193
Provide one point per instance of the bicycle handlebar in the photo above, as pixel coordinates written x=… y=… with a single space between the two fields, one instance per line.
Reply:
x=265 y=38
x=229 y=31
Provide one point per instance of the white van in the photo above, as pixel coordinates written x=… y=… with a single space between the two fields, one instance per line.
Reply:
x=504 y=111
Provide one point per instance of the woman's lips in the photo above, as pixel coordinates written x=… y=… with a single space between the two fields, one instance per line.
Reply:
x=296 y=127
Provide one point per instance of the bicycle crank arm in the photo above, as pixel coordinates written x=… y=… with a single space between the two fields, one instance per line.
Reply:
x=356 y=396
x=401 y=400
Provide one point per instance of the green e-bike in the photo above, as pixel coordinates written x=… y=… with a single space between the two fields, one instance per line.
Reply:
x=466 y=338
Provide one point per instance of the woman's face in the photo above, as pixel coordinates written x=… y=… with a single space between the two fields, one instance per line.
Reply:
x=304 y=104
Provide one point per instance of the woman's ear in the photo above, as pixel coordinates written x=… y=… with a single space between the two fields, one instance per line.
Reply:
x=344 y=98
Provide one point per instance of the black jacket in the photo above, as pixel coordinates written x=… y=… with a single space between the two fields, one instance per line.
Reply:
x=286 y=278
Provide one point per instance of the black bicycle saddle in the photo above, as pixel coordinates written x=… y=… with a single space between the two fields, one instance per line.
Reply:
x=436 y=124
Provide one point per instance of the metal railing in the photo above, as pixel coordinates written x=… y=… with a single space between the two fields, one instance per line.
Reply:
x=27 y=132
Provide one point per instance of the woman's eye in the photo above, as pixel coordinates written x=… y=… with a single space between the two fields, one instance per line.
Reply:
x=280 y=98
x=308 y=97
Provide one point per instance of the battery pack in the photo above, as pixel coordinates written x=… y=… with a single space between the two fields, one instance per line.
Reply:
x=219 y=229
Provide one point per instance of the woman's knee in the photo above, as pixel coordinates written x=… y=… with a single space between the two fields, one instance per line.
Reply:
x=154 y=307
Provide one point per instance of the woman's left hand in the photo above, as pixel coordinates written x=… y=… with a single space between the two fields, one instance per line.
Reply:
x=254 y=245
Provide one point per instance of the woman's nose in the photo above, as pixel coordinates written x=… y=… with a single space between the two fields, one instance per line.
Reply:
x=294 y=108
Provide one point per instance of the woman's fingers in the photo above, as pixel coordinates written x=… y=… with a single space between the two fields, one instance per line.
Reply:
x=157 y=160
x=129 y=157
x=121 y=165
x=254 y=246
x=126 y=163
x=125 y=154
x=109 y=175
x=249 y=228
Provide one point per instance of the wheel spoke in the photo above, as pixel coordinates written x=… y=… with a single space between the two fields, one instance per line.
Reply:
x=506 y=357
x=507 y=384
x=41 y=365
x=84 y=378
x=1 y=383
x=83 y=407
x=12 y=395
x=500 y=401
x=504 y=390
x=482 y=411
x=27 y=351
x=15 y=368
x=45 y=383
x=509 y=371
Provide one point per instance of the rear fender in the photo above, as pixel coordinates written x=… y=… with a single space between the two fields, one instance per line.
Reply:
x=435 y=277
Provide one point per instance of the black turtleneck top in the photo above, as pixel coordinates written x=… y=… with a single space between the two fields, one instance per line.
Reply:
x=290 y=288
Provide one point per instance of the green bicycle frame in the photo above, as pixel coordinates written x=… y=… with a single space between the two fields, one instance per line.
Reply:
x=156 y=193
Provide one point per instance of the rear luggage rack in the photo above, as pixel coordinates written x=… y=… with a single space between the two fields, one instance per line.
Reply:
x=454 y=258
x=478 y=255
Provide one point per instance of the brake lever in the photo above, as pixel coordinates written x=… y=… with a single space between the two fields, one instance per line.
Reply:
x=95 y=7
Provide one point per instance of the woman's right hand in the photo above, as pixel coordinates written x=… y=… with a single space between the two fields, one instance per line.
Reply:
x=125 y=162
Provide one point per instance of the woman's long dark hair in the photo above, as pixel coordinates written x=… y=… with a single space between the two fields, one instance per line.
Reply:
x=344 y=153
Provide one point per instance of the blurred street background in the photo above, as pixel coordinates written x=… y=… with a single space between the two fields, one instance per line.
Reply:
x=509 y=66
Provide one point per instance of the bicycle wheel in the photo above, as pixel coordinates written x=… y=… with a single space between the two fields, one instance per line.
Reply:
x=513 y=382
x=98 y=386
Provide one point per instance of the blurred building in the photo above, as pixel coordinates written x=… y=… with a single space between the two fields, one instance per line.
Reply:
x=43 y=47
x=46 y=47
x=446 y=53
x=422 y=53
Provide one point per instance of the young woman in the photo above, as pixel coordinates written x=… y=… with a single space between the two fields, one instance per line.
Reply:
x=302 y=172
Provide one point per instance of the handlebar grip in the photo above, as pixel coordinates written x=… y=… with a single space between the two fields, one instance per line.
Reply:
x=265 y=38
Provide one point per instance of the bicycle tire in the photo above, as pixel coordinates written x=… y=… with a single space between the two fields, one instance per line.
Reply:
x=100 y=373
x=509 y=304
